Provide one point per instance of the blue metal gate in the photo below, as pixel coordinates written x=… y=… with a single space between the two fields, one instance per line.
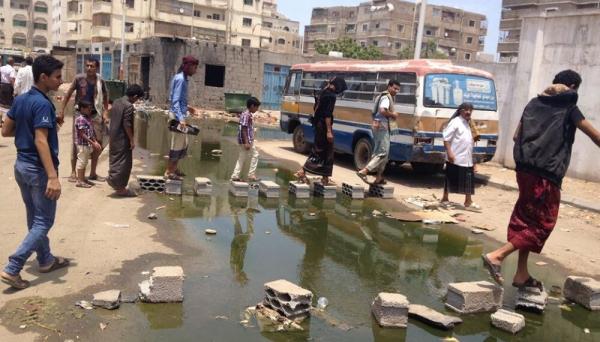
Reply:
x=273 y=84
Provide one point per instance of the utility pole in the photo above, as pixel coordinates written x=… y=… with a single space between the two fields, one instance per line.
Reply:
x=122 y=73
x=419 y=40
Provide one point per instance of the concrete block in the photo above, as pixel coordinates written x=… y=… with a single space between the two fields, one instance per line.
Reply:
x=390 y=310
x=269 y=189
x=151 y=183
x=164 y=286
x=299 y=190
x=353 y=190
x=110 y=299
x=381 y=191
x=325 y=191
x=288 y=299
x=239 y=189
x=173 y=187
x=471 y=297
x=508 y=321
x=432 y=317
x=584 y=291
x=202 y=186
x=531 y=299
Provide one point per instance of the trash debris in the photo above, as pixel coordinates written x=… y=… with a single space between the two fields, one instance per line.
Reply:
x=109 y=300
x=225 y=318
x=84 y=304
x=476 y=231
x=565 y=307
x=586 y=330
x=423 y=203
x=541 y=263
x=103 y=326
x=268 y=232
x=270 y=320
x=322 y=303
x=145 y=272
x=484 y=227
x=210 y=231
x=312 y=214
x=565 y=230
x=117 y=225
x=152 y=216
x=22 y=326
x=376 y=213
x=216 y=153
x=431 y=222
x=161 y=207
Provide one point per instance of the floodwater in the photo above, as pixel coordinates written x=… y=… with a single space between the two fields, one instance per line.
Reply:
x=335 y=248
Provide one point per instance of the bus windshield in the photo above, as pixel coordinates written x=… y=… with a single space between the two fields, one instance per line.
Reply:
x=450 y=90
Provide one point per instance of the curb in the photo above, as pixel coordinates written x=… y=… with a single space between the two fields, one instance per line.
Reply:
x=565 y=199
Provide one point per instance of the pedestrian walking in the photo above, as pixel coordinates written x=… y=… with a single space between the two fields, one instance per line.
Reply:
x=542 y=152
x=246 y=142
x=32 y=121
x=178 y=114
x=24 y=79
x=122 y=142
x=460 y=169
x=383 y=112
x=90 y=87
x=7 y=83
x=85 y=139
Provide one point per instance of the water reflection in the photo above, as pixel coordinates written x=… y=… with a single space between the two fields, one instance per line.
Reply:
x=239 y=244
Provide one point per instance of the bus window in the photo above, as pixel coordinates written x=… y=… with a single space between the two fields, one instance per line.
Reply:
x=311 y=82
x=292 y=83
x=361 y=86
x=408 y=86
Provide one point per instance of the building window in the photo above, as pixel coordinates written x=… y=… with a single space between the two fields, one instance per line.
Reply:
x=281 y=41
x=429 y=32
x=267 y=24
x=130 y=3
x=246 y=42
x=365 y=27
x=247 y=22
x=471 y=23
x=18 y=22
x=40 y=26
x=40 y=7
x=197 y=13
x=363 y=44
x=332 y=30
x=214 y=76
x=249 y=2
x=375 y=43
x=400 y=28
x=467 y=56
x=469 y=40
x=215 y=16
x=398 y=45
x=128 y=27
x=376 y=25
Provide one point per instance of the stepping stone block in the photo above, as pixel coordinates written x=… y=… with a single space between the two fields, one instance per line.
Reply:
x=239 y=189
x=390 y=310
x=531 y=299
x=508 y=321
x=288 y=299
x=583 y=291
x=471 y=297
x=151 y=183
x=381 y=191
x=325 y=191
x=202 y=186
x=300 y=190
x=354 y=191
x=173 y=187
x=432 y=317
x=269 y=189
x=164 y=286
x=110 y=299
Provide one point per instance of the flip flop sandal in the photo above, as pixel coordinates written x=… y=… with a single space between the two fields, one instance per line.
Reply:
x=530 y=282
x=363 y=177
x=83 y=185
x=494 y=270
x=173 y=176
x=97 y=178
x=17 y=283
x=57 y=264
x=382 y=182
x=72 y=180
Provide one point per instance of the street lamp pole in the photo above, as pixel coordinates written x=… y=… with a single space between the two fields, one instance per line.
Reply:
x=123 y=44
x=419 y=40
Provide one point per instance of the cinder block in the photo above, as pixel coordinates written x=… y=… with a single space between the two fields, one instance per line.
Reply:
x=288 y=299
x=531 y=299
x=173 y=187
x=299 y=190
x=151 y=183
x=239 y=189
x=390 y=310
x=471 y=297
x=381 y=191
x=584 y=291
x=110 y=299
x=164 y=286
x=354 y=191
x=325 y=191
x=432 y=317
x=269 y=189
x=202 y=186
x=508 y=321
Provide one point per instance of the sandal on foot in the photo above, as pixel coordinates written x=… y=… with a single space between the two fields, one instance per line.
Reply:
x=381 y=182
x=172 y=176
x=494 y=270
x=14 y=281
x=236 y=179
x=253 y=180
x=363 y=177
x=530 y=282
x=57 y=264
x=83 y=185
x=97 y=178
x=72 y=179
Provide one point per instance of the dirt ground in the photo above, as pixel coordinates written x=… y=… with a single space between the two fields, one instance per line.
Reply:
x=573 y=244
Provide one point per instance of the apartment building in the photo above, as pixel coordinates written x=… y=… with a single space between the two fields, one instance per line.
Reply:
x=24 y=26
x=513 y=12
x=391 y=26
x=280 y=34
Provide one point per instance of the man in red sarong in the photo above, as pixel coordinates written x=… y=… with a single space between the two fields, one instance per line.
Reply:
x=542 y=152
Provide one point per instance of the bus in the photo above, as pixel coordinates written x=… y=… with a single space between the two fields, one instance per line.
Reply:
x=430 y=92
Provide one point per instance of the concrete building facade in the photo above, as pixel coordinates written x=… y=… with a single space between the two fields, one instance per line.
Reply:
x=391 y=26
x=514 y=11
x=25 y=26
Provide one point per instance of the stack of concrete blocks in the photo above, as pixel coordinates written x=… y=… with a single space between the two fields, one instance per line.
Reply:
x=508 y=321
x=164 y=286
x=531 y=299
x=354 y=191
x=202 y=186
x=239 y=189
x=173 y=187
x=269 y=189
x=390 y=310
x=151 y=183
x=472 y=297
x=299 y=190
x=325 y=191
x=381 y=191
x=583 y=291
x=288 y=299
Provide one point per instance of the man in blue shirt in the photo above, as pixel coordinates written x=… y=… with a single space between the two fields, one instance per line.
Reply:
x=32 y=121
x=178 y=111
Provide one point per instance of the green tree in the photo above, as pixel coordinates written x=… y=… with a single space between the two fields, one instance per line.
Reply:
x=349 y=48
x=430 y=51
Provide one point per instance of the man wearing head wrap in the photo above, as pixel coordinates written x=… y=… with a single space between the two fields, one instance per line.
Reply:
x=178 y=111
x=320 y=160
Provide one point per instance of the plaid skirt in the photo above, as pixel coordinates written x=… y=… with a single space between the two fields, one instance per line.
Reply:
x=459 y=179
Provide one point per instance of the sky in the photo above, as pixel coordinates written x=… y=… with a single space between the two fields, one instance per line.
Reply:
x=301 y=10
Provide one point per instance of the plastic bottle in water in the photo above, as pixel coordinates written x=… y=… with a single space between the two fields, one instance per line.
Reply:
x=322 y=303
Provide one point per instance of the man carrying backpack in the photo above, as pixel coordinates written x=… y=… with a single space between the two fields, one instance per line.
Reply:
x=383 y=113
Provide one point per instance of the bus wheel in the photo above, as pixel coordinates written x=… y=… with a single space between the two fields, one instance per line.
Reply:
x=300 y=145
x=362 y=153
x=427 y=168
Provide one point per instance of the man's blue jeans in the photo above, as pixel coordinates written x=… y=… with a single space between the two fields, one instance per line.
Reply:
x=32 y=181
